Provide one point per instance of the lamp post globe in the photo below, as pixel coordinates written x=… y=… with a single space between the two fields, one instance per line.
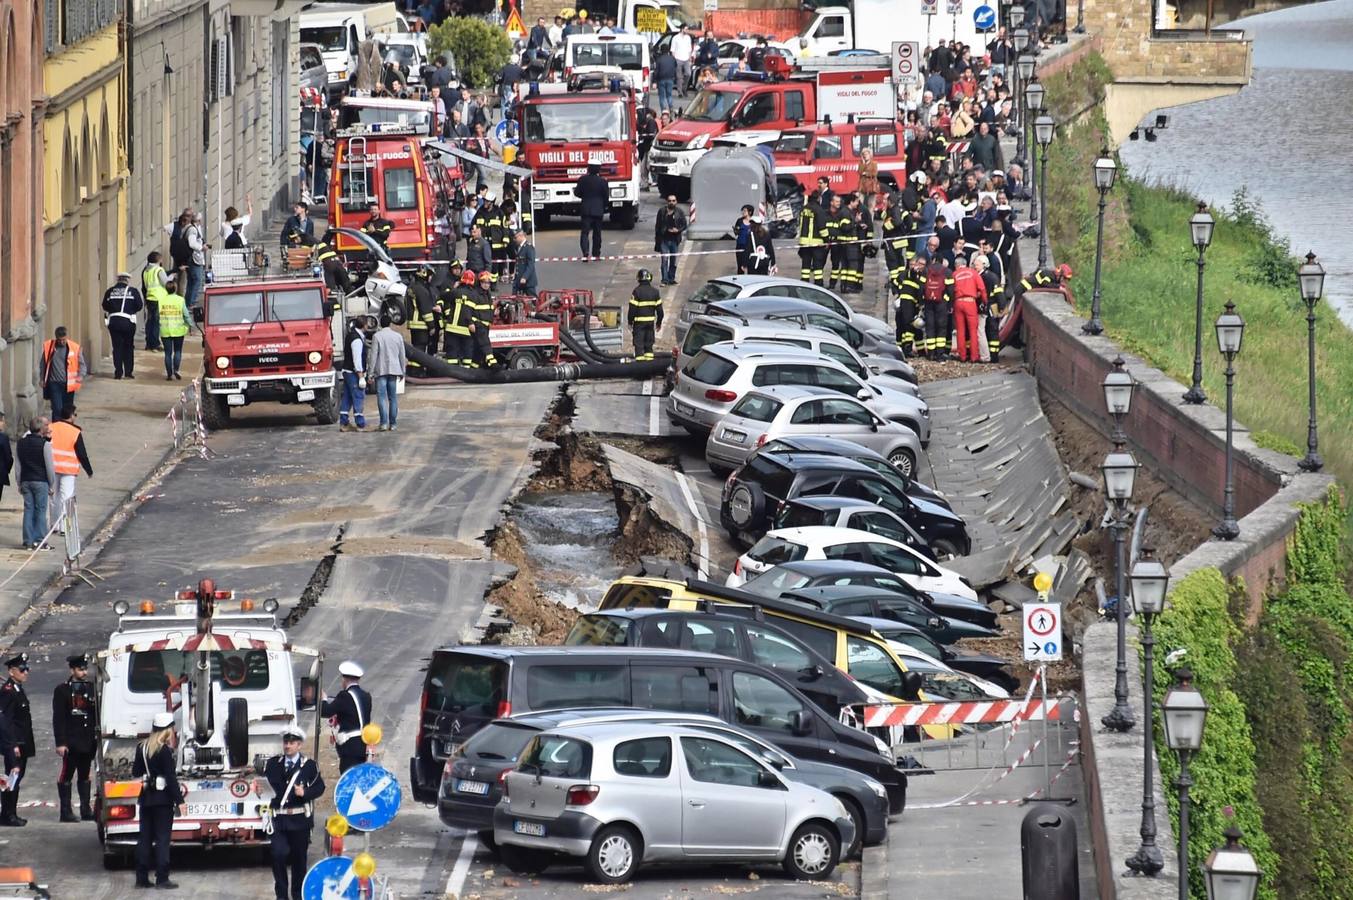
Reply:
x=1230 y=870
x=1017 y=19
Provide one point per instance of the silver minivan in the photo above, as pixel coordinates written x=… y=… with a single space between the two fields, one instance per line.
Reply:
x=623 y=794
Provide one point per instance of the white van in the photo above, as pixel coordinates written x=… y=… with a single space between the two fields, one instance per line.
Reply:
x=339 y=30
x=629 y=53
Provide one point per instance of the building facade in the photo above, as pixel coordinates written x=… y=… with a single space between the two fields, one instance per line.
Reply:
x=22 y=99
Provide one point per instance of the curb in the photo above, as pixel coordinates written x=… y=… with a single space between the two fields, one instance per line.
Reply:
x=874 y=871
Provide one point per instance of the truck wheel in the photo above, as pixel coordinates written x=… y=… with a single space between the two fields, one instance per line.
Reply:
x=523 y=359
x=237 y=731
x=625 y=216
x=326 y=408
x=215 y=412
x=671 y=184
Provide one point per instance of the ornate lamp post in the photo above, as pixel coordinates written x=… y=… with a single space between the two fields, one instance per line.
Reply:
x=1230 y=870
x=1200 y=226
x=1120 y=473
x=1025 y=65
x=1149 y=581
x=1311 y=275
x=1044 y=128
x=1033 y=105
x=1184 y=712
x=1106 y=170
x=1230 y=332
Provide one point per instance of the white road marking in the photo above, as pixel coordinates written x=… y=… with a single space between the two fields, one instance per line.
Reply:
x=462 y=867
x=653 y=403
x=702 y=563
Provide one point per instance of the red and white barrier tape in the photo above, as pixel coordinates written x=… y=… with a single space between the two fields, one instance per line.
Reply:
x=973 y=712
x=962 y=801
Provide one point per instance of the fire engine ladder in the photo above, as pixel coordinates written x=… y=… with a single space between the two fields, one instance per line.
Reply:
x=357 y=191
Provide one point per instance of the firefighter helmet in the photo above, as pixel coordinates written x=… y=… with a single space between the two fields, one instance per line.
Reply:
x=645 y=276
x=424 y=272
x=1064 y=271
x=467 y=277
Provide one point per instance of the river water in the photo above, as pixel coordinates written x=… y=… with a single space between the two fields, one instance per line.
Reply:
x=1286 y=137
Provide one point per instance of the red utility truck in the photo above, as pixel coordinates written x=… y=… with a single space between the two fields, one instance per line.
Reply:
x=832 y=149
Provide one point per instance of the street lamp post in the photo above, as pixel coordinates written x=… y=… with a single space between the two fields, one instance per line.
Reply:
x=1230 y=331
x=1033 y=105
x=1230 y=870
x=1184 y=712
x=1106 y=170
x=1120 y=472
x=1024 y=75
x=1200 y=226
x=1311 y=275
x=1044 y=127
x=1149 y=582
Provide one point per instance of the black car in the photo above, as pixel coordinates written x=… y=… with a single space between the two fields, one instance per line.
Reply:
x=471 y=781
x=753 y=494
x=811 y=443
x=853 y=600
x=822 y=572
x=727 y=635
x=995 y=669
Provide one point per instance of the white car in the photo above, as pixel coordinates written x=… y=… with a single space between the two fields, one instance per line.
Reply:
x=785 y=545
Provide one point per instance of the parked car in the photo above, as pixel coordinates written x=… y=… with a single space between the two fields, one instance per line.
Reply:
x=787 y=410
x=856 y=600
x=472 y=779
x=995 y=669
x=623 y=794
x=846 y=512
x=827 y=572
x=734 y=287
x=805 y=312
x=313 y=73
x=808 y=443
x=943 y=682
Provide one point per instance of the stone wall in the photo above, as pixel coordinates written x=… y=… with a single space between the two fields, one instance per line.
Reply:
x=1135 y=50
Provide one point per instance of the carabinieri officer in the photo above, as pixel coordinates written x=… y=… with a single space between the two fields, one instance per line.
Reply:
x=296 y=785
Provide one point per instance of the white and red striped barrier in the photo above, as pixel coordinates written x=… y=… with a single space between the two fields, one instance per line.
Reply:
x=985 y=712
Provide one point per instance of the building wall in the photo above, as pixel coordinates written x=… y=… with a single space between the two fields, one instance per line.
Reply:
x=1135 y=50
x=21 y=166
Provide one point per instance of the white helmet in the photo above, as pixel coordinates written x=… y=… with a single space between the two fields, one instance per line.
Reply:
x=162 y=720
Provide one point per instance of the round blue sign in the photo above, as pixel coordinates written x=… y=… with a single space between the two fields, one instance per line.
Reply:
x=505 y=132
x=984 y=17
x=331 y=878
x=368 y=796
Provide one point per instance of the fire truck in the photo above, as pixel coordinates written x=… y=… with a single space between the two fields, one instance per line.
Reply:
x=564 y=128
x=229 y=678
x=832 y=149
x=379 y=156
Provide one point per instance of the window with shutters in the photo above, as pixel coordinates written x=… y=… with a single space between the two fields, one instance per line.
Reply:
x=51 y=10
x=221 y=83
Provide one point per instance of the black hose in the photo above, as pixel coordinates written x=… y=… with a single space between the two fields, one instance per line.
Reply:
x=587 y=336
x=440 y=368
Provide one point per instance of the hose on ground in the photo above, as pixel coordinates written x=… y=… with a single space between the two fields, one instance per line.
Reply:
x=441 y=369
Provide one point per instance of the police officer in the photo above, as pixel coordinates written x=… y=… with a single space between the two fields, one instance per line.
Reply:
x=121 y=303
x=645 y=315
x=813 y=232
x=296 y=784
x=423 y=318
x=376 y=226
x=910 y=295
x=481 y=321
x=351 y=711
x=160 y=795
x=73 y=730
x=16 y=733
x=458 y=309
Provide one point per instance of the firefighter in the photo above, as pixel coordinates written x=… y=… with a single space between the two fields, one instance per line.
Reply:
x=336 y=275
x=75 y=735
x=910 y=296
x=856 y=227
x=937 y=148
x=422 y=320
x=645 y=315
x=995 y=306
x=350 y=712
x=481 y=322
x=16 y=735
x=492 y=219
x=376 y=226
x=457 y=310
x=1042 y=278
x=839 y=226
x=937 y=290
x=296 y=783
x=813 y=236
x=897 y=227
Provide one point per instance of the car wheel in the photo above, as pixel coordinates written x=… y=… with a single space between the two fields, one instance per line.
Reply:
x=943 y=549
x=904 y=461
x=746 y=503
x=614 y=855
x=813 y=853
x=857 y=818
x=523 y=860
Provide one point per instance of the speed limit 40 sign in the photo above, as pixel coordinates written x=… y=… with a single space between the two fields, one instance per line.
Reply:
x=907 y=62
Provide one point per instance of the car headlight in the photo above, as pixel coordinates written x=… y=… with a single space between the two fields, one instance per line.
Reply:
x=877 y=787
x=314 y=357
x=223 y=362
x=882 y=747
x=617 y=192
x=540 y=195
x=699 y=142
x=342 y=74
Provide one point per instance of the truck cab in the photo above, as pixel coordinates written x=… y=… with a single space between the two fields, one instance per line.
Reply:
x=339 y=30
x=227 y=672
x=802 y=155
x=626 y=54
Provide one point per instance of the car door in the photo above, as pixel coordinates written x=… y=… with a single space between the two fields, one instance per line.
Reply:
x=734 y=805
x=884 y=524
x=648 y=779
x=903 y=610
x=825 y=299
x=917 y=572
x=774 y=651
x=843 y=417
x=765 y=708
x=871 y=665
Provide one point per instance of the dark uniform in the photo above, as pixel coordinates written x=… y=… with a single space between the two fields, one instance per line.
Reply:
x=897 y=229
x=422 y=320
x=458 y=310
x=156 y=811
x=937 y=147
x=293 y=817
x=378 y=228
x=910 y=295
x=335 y=273
x=994 y=310
x=480 y=301
x=121 y=303
x=74 y=727
x=813 y=233
x=351 y=710
x=840 y=228
x=1040 y=278
x=16 y=735
x=855 y=229
x=493 y=223
x=645 y=316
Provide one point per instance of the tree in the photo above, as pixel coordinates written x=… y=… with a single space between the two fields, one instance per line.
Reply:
x=480 y=49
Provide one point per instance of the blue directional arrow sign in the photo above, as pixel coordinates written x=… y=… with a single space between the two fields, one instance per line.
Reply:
x=331 y=878
x=984 y=17
x=368 y=796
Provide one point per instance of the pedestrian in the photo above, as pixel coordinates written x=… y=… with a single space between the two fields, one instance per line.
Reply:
x=707 y=52
x=539 y=38
x=353 y=398
x=154 y=764
x=593 y=194
x=386 y=367
x=173 y=328
x=682 y=50
x=197 y=267
x=742 y=238
x=665 y=76
x=939 y=294
x=63 y=370
x=645 y=315
x=6 y=456
x=121 y=303
x=234 y=221
x=299 y=229
x=524 y=277
x=478 y=252
x=296 y=784
x=648 y=133
x=180 y=253
x=868 y=178
x=481 y=322
x=75 y=733
x=16 y=732
x=669 y=228
x=37 y=479
x=68 y=456
x=349 y=712
x=761 y=256
x=153 y=281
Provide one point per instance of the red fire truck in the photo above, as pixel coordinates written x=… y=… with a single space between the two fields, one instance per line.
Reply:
x=832 y=149
x=563 y=128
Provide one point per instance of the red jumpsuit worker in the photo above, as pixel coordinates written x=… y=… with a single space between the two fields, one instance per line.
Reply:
x=969 y=290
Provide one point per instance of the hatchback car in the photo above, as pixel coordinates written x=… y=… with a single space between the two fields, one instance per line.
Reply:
x=808 y=443
x=787 y=410
x=808 y=313
x=623 y=794
x=734 y=287
x=987 y=666
x=855 y=601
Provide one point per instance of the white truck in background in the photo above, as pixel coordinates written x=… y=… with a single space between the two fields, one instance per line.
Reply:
x=876 y=24
x=340 y=29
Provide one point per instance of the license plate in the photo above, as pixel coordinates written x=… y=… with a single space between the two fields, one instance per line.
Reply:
x=532 y=828
x=305 y=396
x=213 y=809
x=662 y=158
x=736 y=437
x=472 y=787
x=683 y=408
x=657 y=169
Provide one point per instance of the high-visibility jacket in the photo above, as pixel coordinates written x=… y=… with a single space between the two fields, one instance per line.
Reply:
x=73 y=381
x=324 y=251
x=173 y=316
x=459 y=311
x=812 y=226
x=64 y=458
x=645 y=305
x=423 y=300
x=378 y=228
x=150 y=278
x=481 y=306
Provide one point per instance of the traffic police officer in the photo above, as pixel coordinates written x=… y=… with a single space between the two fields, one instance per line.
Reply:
x=376 y=226
x=160 y=796
x=296 y=784
x=645 y=315
x=75 y=734
x=481 y=321
x=910 y=296
x=422 y=320
x=121 y=303
x=351 y=711
x=458 y=310
x=813 y=233
x=16 y=734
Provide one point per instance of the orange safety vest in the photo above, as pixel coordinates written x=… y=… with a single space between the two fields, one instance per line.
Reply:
x=73 y=383
x=64 y=460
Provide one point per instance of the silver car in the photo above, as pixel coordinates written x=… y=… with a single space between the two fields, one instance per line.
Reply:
x=733 y=287
x=785 y=410
x=623 y=794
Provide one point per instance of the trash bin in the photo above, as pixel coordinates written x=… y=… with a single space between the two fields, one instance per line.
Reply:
x=1047 y=841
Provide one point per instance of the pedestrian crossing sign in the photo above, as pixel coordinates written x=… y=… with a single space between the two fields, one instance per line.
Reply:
x=514 y=23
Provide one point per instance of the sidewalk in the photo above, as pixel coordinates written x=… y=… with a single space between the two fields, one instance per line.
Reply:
x=128 y=436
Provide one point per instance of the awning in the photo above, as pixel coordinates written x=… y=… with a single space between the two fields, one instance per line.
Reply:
x=453 y=150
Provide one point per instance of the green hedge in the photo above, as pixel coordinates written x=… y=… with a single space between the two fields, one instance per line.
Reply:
x=481 y=49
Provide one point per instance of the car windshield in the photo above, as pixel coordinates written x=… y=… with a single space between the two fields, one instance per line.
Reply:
x=792 y=515
x=708 y=368
x=714 y=291
x=598 y=631
x=774 y=582
x=701 y=335
x=418 y=120
x=329 y=38
x=306 y=304
x=711 y=106
x=404 y=54
x=626 y=55
x=794 y=142
x=599 y=121
x=310 y=58
x=234 y=309
x=774 y=551
x=556 y=756
x=162 y=671
x=456 y=682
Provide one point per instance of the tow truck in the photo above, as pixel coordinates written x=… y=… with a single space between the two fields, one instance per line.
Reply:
x=228 y=678
x=566 y=127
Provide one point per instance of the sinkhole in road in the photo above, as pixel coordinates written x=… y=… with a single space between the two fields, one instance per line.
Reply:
x=567 y=537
